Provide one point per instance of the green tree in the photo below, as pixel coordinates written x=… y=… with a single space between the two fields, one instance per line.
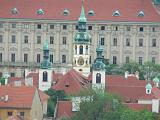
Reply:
x=54 y=96
x=2 y=81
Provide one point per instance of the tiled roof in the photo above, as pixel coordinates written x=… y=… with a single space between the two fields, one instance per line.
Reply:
x=35 y=77
x=18 y=97
x=64 y=109
x=12 y=80
x=56 y=76
x=136 y=106
x=43 y=96
x=103 y=10
x=72 y=82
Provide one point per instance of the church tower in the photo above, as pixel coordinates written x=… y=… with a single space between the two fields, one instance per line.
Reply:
x=81 y=46
x=98 y=71
x=45 y=72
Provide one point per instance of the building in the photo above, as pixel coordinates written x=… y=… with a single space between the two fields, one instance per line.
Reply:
x=128 y=30
x=22 y=101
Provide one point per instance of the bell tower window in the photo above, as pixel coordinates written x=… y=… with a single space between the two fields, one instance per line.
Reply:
x=76 y=49
x=81 y=50
x=45 y=76
x=87 y=49
x=98 y=78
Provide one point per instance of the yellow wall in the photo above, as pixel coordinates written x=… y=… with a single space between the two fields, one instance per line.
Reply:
x=4 y=113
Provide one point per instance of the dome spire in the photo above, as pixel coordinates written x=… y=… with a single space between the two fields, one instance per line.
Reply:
x=82 y=17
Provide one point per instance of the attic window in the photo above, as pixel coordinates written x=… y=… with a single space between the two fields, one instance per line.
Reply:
x=14 y=10
x=116 y=13
x=140 y=14
x=67 y=85
x=91 y=13
x=40 y=11
x=66 y=12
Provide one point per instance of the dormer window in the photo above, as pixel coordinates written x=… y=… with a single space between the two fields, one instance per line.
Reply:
x=66 y=12
x=14 y=10
x=91 y=13
x=140 y=14
x=116 y=13
x=40 y=11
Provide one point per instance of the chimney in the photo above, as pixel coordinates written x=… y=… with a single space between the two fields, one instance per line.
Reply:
x=126 y=74
x=6 y=98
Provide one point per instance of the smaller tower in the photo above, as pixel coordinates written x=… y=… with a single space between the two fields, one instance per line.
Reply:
x=148 y=88
x=45 y=72
x=98 y=70
x=156 y=81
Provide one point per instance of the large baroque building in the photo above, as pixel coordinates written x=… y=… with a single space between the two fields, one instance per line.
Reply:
x=127 y=30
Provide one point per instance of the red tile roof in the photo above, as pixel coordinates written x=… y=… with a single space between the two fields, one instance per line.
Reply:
x=72 y=82
x=136 y=106
x=18 y=97
x=35 y=77
x=43 y=96
x=103 y=10
x=64 y=109
x=56 y=76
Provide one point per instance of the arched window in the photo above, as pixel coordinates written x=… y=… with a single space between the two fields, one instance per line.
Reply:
x=87 y=49
x=98 y=78
x=75 y=49
x=81 y=50
x=45 y=76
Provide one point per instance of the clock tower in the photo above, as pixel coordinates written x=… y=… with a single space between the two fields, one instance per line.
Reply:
x=81 y=46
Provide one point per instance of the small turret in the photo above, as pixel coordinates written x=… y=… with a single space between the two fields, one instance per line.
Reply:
x=148 y=88
x=156 y=81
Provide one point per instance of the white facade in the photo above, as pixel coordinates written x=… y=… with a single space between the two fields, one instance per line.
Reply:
x=98 y=80
x=45 y=79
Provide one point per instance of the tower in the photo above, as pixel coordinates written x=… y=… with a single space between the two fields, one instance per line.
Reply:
x=45 y=72
x=81 y=46
x=98 y=71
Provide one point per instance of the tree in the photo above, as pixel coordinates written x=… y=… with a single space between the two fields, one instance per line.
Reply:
x=2 y=81
x=54 y=96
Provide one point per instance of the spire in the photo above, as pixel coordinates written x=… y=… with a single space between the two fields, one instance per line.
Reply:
x=45 y=64
x=82 y=17
x=98 y=64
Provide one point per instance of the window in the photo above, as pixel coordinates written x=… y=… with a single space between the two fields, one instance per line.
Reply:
x=140 y=14
x=98 y=78
x=127 y=41
x=63 y=58
x=40 y=11
x=153 y=60
x=13 y=57
x=116 y=13
x=114 y=41
x=87 y=49
x=1 y=39
x=51 y=58
x=102 y=27
x=51 y=40
x=9 y=113
x=141 y=29
x=76 y=27
x=39 y=26
x=128 y=28
x=25 y=39
x=102 y=41
x=64 y=27
x=81 y=49
x=153 y=42
x=25 y=57
x=140 y=60
x=51 y=26
x=13 y=25
x=12 y=74
x=26 y=26
x=14 y=10
x=89 y=27
x=90 y=60
x=1 y=57
x=22 y=114
x=114 y=59
x=140 y=42
x=13 y=39
x=91 y=13
x=38 y=58
x=66 y=12
x=38 y=39
x=116 y=28
x=153 y=29
x=127 y=59
x=64 y=41
x=45 y=76
x=1 y=25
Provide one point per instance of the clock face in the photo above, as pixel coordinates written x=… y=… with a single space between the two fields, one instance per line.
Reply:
x=80 y=61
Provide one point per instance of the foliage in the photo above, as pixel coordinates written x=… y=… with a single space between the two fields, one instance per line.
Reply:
x=104 y=106
x=2 y=81
x=54 y=96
